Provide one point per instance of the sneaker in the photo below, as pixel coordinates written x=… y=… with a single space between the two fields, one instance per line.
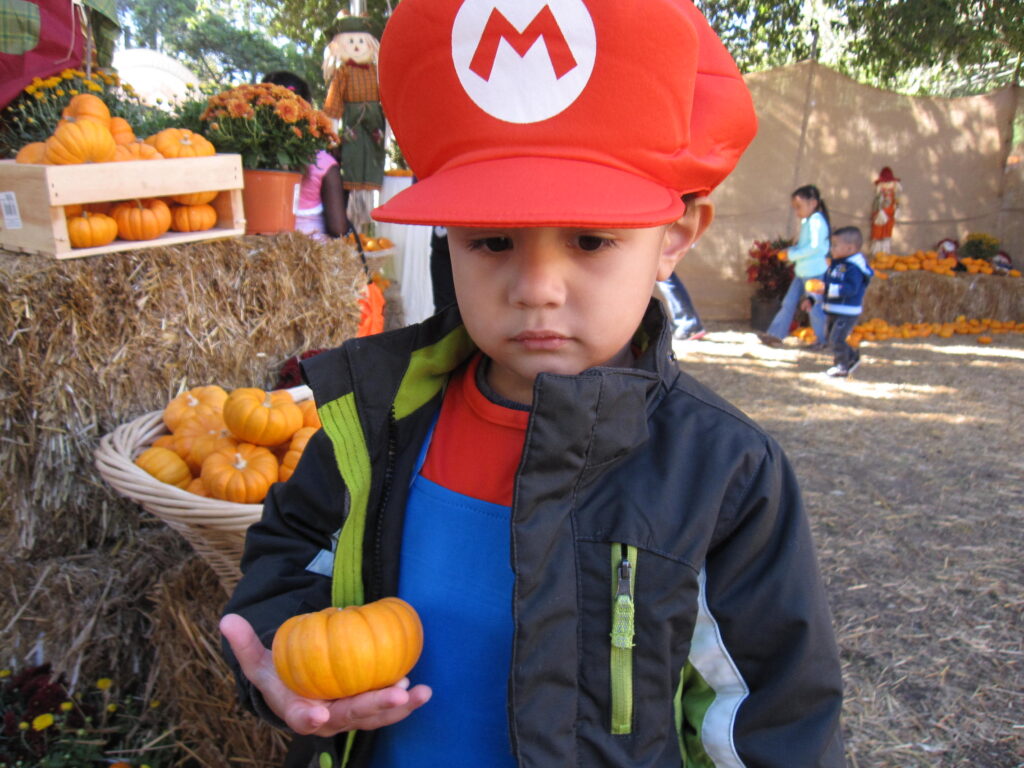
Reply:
x=856 y=364
x=837 y=371
x=768 y=339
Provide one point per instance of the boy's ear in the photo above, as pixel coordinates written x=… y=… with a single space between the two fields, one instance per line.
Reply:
x=681 y=235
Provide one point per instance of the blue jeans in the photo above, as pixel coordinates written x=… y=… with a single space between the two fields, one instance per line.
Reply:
x=839 y=327
x=685 y=320
x=779 y=327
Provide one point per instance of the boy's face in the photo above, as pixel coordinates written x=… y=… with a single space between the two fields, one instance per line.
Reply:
x=841 y=248
x=557 y=300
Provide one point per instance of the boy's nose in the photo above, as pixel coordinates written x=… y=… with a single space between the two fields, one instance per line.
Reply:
x=539 y=280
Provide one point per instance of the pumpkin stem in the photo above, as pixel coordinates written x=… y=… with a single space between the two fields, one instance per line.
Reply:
x=191 y=400
x=240 y=462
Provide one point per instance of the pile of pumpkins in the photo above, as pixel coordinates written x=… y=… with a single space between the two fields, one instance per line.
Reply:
x=370 y=243
x=230 y=446
x=88 y=134
x=877 y=329
x=930 y=261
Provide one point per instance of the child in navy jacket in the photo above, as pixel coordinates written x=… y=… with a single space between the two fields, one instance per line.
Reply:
x=846 y=280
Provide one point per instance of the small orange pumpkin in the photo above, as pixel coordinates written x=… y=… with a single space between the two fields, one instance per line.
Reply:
x=87 y=106
x=193 y=401
x=195 y=198
x=199 y=436
x=262 y=418
x=340 y=652
x=193 y=218
x=181 y=142
x=242 y=474
x=87 y=141
x=142 y=219
x=165 y=465
x=197 y=487
x=121 y=130
x=295 y=449
x=136 y=150
x=91 y=230
x=310 y=417
x=32 y=153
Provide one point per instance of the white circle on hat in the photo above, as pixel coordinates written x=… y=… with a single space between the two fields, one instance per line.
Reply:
x=523 y=61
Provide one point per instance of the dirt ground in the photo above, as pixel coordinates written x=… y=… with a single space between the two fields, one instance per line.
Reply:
x=913 y=476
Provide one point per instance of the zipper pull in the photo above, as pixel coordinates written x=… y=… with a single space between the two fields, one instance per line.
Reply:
x=623 y=611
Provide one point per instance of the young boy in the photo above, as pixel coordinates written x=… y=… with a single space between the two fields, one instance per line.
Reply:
x=846 y=280
x=612 y=565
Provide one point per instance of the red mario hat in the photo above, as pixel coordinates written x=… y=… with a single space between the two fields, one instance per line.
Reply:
x=558 y=112
x=886 y=174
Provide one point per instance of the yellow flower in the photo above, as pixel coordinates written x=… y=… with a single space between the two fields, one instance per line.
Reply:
x=40 y=95
x=60 y=91
x=111 y=707
x=104 y=683
x=42 y=722
x=78 y=73
x=72 y=91
x=154 y=703
x=30 y=89
x=66 y=706
x=66 y=74
x=22 y=726
x=93 y=87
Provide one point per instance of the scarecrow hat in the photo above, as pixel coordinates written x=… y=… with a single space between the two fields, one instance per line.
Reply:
x=885 y=174
x=558 y=112
x=353 y=24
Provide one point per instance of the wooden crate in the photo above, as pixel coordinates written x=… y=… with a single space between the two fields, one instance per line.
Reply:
x=32 y=198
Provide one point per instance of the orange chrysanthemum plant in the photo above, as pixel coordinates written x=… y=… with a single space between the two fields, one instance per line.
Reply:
x=270 y=126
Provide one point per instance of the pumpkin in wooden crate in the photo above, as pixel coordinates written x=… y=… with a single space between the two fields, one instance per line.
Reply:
x=165 y=465
x=121 y=130
x=295 y=448
x=242 y=474
x=86 y=106
x=194 y=401
x=142 y=219
x=340 y=652
x=193 y=218
x=195 y=198
x=136 y=150
x=181 y=142
x=262 y=418
x=91 y=230
x=86 y=141
x=32 y=153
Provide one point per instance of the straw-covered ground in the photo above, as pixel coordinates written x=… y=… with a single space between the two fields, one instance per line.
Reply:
x=913 y=476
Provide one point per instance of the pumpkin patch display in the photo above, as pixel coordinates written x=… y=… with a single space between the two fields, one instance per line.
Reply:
x=262 y=418
x=181 y=142
x=136 y=150
x=341 y=652
x=193 y=218
x=32 y=153
x=121 y=131
x=86 y=106
x=165 y=465
x=90 y=230
x=86 y=141
x=142 y=219
x=242 y=474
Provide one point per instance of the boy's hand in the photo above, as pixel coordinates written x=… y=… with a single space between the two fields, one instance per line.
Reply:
x=364 y=712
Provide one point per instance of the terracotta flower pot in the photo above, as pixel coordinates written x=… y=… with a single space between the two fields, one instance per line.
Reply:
x=270 y=199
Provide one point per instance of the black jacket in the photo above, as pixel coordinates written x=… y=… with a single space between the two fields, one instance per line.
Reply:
x=730 y=651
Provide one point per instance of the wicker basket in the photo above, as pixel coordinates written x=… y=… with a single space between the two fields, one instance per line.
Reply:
x=214 y=528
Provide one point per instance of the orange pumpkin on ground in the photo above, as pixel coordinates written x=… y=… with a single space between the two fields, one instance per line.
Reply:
x=192 y=402
x=136 y=150
x=294 y=453
x=165 y=465
x=339 y=652
x=32 y=153
x=263 y=418
x=193 y=218
x=181 y=142
x=91 y=230
x=195 y=198
x=310 y=417
x=242 y=474
x=86 y=141
x=121 y=130
x=87 y=106
x=142 y=219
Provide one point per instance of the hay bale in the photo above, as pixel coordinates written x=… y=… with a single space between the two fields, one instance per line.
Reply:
x=92 y=343
x=193 y=681
x=924 y=297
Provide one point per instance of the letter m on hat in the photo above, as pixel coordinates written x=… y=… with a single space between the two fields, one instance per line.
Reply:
x=544 y=25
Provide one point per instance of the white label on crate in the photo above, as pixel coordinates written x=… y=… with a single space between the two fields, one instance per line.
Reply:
x=12 y=216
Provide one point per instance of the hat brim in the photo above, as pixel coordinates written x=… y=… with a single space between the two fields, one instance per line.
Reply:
x=533 y=192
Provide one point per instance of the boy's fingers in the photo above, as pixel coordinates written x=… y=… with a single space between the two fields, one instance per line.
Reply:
x=376 y=708
x=248 y=650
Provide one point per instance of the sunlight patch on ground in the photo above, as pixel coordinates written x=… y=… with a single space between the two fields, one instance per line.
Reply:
x=976 y=350
x=878 y=389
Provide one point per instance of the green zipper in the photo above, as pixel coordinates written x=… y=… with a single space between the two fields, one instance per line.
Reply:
x=623 y=580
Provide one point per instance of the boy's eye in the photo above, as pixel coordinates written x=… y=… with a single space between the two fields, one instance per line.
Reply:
x=492 y=244
x=591 y=242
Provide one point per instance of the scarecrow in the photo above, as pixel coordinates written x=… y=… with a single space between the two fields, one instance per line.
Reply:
x=888 y=197
x=353 y=98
